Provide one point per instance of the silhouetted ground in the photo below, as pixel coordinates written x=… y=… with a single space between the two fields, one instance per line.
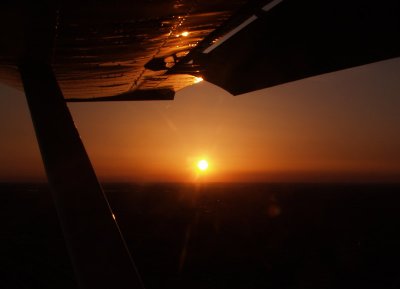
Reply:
x=219 y=236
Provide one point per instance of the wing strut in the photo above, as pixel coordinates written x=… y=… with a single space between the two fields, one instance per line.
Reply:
x=97 y=249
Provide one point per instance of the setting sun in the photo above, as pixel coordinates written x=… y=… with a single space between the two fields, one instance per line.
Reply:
x=202 y=165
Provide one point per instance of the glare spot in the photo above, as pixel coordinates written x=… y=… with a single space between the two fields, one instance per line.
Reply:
x=198 y=79
x=185 y=33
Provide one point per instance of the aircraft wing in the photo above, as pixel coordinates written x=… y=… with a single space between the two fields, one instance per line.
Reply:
x=110 y=50
x=148 y=49
x=286 y=40
x=138 y=50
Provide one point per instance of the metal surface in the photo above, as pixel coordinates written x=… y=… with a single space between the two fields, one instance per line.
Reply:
x=298 y=39
x=98 y=252
x=134 y=95
x=102 y=49
x=113 y=48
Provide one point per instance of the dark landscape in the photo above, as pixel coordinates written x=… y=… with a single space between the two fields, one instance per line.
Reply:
x=236 y=236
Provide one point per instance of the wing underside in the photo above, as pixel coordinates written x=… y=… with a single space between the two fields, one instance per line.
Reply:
x=113 y=50
x=138 y=50
x=287 y=40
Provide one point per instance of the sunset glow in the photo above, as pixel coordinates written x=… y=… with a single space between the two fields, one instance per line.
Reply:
x=243 y=138
x=202 y=165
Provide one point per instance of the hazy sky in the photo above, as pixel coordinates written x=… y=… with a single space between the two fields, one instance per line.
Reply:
x=342 y=126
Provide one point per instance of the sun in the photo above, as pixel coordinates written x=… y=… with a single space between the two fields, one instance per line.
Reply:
x=202 y=165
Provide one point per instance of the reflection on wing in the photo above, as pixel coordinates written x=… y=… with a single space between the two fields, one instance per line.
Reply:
x=105 y=49
x=108 y=50
x=114 y=48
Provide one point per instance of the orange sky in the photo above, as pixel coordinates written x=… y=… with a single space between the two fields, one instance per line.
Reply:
x=338 y=127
